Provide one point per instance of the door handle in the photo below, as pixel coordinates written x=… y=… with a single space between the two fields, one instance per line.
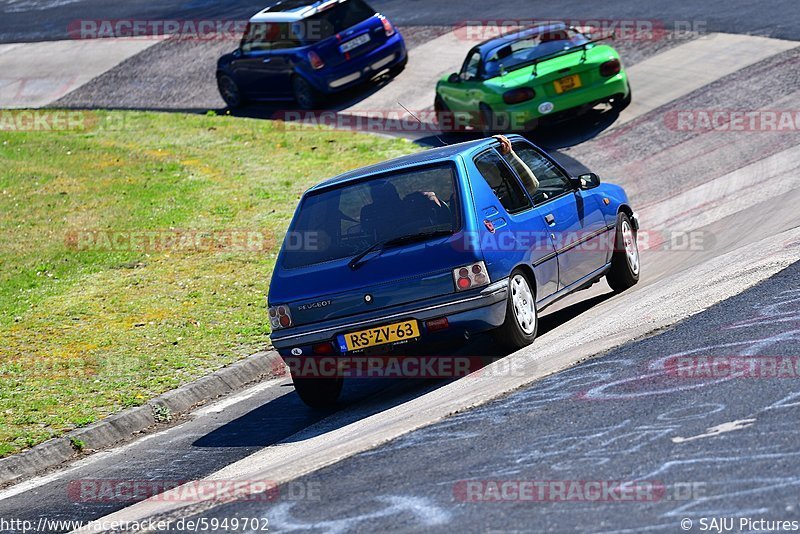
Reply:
x=267 y=60
x=549 y=219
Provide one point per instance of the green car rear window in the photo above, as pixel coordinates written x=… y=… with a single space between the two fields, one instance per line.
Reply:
x=531 y=48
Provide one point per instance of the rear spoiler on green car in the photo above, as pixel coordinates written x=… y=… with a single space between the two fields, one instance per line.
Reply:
x=581 y=48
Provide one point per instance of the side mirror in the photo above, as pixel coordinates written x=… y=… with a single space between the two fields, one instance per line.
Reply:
x=454 y=78
x=586 y=181
x=237 y=53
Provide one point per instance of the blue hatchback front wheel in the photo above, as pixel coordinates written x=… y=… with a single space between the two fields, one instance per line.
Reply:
x=229 y=90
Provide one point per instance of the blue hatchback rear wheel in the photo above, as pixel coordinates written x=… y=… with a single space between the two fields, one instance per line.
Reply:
x=522 y=319
x=625 y=263
x=320 y=393
x=304 y=93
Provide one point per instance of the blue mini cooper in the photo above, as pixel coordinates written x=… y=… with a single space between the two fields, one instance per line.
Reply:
x=306 y=50
x=438 y=245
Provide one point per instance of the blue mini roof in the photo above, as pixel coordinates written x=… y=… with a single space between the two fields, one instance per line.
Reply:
x=291 y=10
x=445 y=153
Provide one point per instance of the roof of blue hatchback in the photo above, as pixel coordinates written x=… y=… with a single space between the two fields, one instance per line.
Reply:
x=432 y=155
x=291 y=10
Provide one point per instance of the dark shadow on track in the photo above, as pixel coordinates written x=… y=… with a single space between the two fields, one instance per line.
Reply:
x=552 y=320
x=563 y=134
x=287 y=419
x=334 y=103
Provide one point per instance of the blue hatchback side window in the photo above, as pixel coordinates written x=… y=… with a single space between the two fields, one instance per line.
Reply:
x=255 y=38
x=284 y=36
x=552 y=182
x=502 y=181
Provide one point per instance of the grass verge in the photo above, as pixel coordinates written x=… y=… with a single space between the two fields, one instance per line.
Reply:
x=135 y=255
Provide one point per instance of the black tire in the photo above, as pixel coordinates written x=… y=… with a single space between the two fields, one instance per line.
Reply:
x=487 y=119
x=229 y=91
x=445 y=119
x=620 y=104
x=625 y=263
x=519 y=329
x=304 y=94
x=399 y=68
x=318 y=393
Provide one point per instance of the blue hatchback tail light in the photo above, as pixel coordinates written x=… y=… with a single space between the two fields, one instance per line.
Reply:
x=471 y=276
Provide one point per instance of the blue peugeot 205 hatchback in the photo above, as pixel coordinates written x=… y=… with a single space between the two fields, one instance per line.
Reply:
x=306 y=50
x=451 y=241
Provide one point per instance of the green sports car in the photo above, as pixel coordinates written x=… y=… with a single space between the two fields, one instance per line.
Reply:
x=539 y=74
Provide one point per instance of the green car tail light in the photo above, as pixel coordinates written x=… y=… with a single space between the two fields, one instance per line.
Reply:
x=519 y=95
x=610 y=68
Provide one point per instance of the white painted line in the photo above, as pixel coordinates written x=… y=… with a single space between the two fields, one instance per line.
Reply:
x=39 y=481
x=217 y=407
x=224 y=404
x=679 y=71
x=608 y=325
x=34 y=75
x=717 y=430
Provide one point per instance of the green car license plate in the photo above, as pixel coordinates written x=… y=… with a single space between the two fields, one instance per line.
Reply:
x=567 y=83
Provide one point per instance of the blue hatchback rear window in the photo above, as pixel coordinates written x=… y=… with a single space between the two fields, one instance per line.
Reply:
x=338 y=18
x=342 y=222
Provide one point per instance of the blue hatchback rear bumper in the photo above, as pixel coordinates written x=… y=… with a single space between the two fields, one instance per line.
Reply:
x=362 y=69
x=466 y=313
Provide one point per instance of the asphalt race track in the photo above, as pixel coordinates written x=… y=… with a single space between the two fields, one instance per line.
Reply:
x=620 y=414
x=38 y=20
x=593 y=399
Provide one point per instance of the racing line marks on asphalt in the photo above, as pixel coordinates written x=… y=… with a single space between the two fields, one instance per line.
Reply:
x=425 y=511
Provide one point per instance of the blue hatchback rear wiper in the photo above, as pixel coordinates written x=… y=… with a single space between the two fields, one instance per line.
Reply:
x=355 y=263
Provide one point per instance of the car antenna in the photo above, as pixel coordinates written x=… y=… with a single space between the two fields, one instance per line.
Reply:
x=421 y=123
